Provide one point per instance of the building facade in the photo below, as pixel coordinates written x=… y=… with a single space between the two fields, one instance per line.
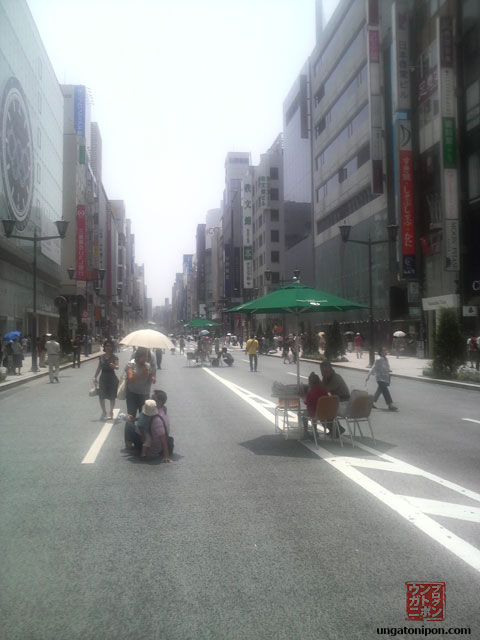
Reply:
x=31 y=157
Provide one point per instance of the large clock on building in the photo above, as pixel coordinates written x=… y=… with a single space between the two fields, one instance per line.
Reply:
x=16 y=149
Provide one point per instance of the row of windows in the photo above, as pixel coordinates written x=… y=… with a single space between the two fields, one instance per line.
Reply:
x=328 y=156
x=348 y=169
x=358 y=81
x=327 y=50
x=357 y=50
x=274 y=217
x=274 y=237
x=345 y=209
x=260 y=261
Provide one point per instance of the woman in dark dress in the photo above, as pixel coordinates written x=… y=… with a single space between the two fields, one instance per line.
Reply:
x=108 y=382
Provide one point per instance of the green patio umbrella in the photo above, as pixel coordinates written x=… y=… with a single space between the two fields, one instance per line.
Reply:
x=201 y=323
x=296 y=298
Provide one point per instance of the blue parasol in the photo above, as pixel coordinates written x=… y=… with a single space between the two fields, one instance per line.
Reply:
x=11 y=335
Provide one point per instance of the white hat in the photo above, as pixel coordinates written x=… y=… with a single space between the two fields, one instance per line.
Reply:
x=149 y=408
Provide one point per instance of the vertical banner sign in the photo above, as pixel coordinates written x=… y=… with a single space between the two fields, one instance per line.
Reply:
x=79 y=110
x=448 y=114
x=81 y=242
x=227 y=268
x=247 y=233
x=407 y=213
x=401 y=58
x=375 y=100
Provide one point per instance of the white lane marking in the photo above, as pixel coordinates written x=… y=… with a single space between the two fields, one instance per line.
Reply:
x=99 y=440
x=401 y=505
x=294 y=374
x=471 y=420
x=410 y=468
x=446 y=509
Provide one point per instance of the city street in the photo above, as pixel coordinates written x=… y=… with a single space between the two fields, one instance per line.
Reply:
x=246 y=535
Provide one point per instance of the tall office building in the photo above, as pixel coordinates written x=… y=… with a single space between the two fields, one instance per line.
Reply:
x=236 y=163
x=31 y=156
x=348 y=165
x=267 y=223
x=297 y=181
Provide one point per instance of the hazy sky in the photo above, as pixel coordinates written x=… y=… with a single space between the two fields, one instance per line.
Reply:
x=177 y=84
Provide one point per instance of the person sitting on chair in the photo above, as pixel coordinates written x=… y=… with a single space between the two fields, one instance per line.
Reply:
x=315 y=391
x=335 y=385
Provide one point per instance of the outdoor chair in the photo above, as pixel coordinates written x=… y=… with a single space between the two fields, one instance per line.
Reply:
x=358 y=410
x=327 y=413
x=281 y=411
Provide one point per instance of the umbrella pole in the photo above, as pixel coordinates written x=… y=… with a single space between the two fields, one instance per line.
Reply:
x=297 y=350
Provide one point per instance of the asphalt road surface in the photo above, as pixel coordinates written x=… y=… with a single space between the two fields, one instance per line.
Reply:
x=247 y=534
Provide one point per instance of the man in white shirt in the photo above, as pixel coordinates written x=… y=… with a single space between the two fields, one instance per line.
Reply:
x=53 y=353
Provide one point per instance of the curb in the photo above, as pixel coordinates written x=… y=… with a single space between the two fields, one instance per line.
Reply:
x=468 y=386
x=41 y=374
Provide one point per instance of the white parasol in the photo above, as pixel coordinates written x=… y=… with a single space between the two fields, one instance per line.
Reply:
x=399 y=334
x=149 y=339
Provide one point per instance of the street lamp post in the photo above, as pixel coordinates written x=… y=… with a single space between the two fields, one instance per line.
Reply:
x=97 y=287
x=71 y=275
x=9 y=226
x=392 y=230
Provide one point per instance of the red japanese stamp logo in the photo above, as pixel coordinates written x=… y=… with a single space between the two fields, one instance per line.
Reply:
x=426 y=601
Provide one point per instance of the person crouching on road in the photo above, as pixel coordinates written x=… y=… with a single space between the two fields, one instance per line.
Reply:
x=160 y=429
x=382 y=371
x=149 y=410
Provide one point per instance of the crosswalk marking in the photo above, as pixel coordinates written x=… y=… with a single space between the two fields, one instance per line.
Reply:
x=413 y=509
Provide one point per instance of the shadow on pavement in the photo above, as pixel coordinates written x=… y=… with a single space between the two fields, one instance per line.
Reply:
x=275 y=445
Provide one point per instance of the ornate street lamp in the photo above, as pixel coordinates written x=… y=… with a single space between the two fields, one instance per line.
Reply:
x=9 y=227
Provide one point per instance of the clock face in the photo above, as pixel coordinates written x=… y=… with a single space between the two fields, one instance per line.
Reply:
x=16 y=151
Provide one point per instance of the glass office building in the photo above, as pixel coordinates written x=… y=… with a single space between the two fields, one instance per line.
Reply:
x=31 y=155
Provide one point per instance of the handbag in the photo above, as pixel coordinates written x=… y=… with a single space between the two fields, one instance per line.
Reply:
x=93 y=391
x=122 y=388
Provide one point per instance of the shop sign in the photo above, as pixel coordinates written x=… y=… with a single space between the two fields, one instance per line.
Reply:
x=449 y=138
x=452 y=247
x=247 y=219
x=81 y=242
x=448 y=301
x=470 y=311
x=401 y=57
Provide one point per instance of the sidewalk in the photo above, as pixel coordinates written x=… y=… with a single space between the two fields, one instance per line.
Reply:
x=27 y=375
x=402 y=367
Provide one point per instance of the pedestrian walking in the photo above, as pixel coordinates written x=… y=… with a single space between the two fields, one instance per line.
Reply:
x=358 y=342
x=382 y=372
x=252 y=349
x=53 y=353
x=76 y=349
x=472 y=348
x=182 y=344
x=17 y=352
x=108 y=383
x=159 y=356
x=42 y=351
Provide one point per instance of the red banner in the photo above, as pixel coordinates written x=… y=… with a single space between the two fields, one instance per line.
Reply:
x=81 y=242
